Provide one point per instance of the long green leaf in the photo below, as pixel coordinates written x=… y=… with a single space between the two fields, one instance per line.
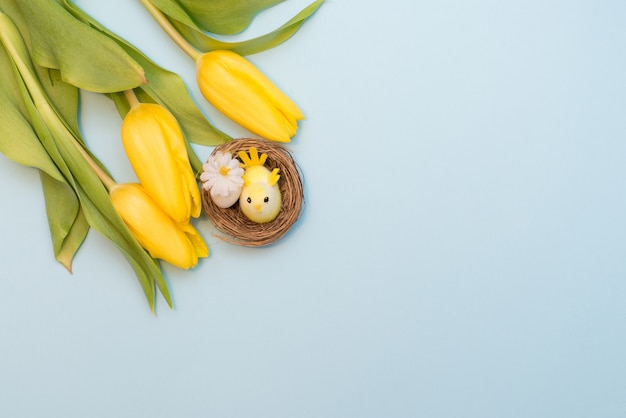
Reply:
x=68 y=226
x=64 y=95
x=86 y=58
x=224 y=17
x=205 y=42
x=19 y=142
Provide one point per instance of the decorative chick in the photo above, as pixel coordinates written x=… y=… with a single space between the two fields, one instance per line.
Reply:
x=260 y=199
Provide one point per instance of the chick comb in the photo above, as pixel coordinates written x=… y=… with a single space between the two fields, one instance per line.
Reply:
x=253 y=159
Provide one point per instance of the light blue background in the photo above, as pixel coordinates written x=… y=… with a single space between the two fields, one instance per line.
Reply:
x=461 y=253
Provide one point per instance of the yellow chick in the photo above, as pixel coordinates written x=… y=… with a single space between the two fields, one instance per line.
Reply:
x=260 y=199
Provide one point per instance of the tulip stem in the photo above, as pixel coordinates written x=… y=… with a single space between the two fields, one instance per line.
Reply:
x=171 y=31
x=104 y=177
x=132 y=98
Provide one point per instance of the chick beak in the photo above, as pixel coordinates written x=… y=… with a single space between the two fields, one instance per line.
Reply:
x=257 y=207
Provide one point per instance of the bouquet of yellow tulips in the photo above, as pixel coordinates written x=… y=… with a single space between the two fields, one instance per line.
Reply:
x=51 y=49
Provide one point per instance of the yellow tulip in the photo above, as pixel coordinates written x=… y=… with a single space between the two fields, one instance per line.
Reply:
x=155 y=147
x=243 y=93
x=178 y=244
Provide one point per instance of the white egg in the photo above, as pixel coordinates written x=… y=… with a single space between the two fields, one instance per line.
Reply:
x=225 y=201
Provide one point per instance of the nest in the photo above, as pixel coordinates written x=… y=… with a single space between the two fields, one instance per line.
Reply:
x=231 y=221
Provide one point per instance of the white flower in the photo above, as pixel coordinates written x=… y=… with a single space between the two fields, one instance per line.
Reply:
x=222 y=174
x=223 y=178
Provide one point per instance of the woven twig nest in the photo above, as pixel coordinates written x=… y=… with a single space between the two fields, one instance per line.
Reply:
x=232 y=222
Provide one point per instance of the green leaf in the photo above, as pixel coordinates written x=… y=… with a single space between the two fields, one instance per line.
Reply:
x=224 y=17
x=205 y=42
x=85 y=57
x=18 y=141
x=63 y=95
x=68 y=226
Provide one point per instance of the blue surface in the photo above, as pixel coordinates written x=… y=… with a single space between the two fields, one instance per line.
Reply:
x=461 y=253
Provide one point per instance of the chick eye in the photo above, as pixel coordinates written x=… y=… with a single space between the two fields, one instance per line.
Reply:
x=266 y=199
x=249 y=200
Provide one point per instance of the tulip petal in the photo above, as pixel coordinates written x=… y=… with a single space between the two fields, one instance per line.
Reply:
x=154 y=230
x=247 y=70
x=200 y=247
x=178 y=148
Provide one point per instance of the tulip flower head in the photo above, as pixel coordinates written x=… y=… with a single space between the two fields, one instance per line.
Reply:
x=178 y=244
x=155 y=147
x=240 y=91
